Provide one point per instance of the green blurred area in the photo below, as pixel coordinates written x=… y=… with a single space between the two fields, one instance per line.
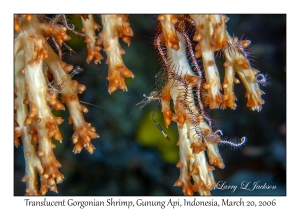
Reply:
x=132 y=156
x=149 y=135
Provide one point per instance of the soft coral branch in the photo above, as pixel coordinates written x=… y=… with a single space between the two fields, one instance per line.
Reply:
x=198 y=143
x=115 y=27
x=38 y=127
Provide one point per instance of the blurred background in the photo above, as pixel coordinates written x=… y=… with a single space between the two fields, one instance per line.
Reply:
x=132 y=157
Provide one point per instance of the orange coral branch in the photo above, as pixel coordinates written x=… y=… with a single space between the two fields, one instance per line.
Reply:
x=115 y=27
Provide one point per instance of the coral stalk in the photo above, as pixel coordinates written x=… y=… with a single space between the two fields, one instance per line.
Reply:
x=38 y=127
x=183 y=76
